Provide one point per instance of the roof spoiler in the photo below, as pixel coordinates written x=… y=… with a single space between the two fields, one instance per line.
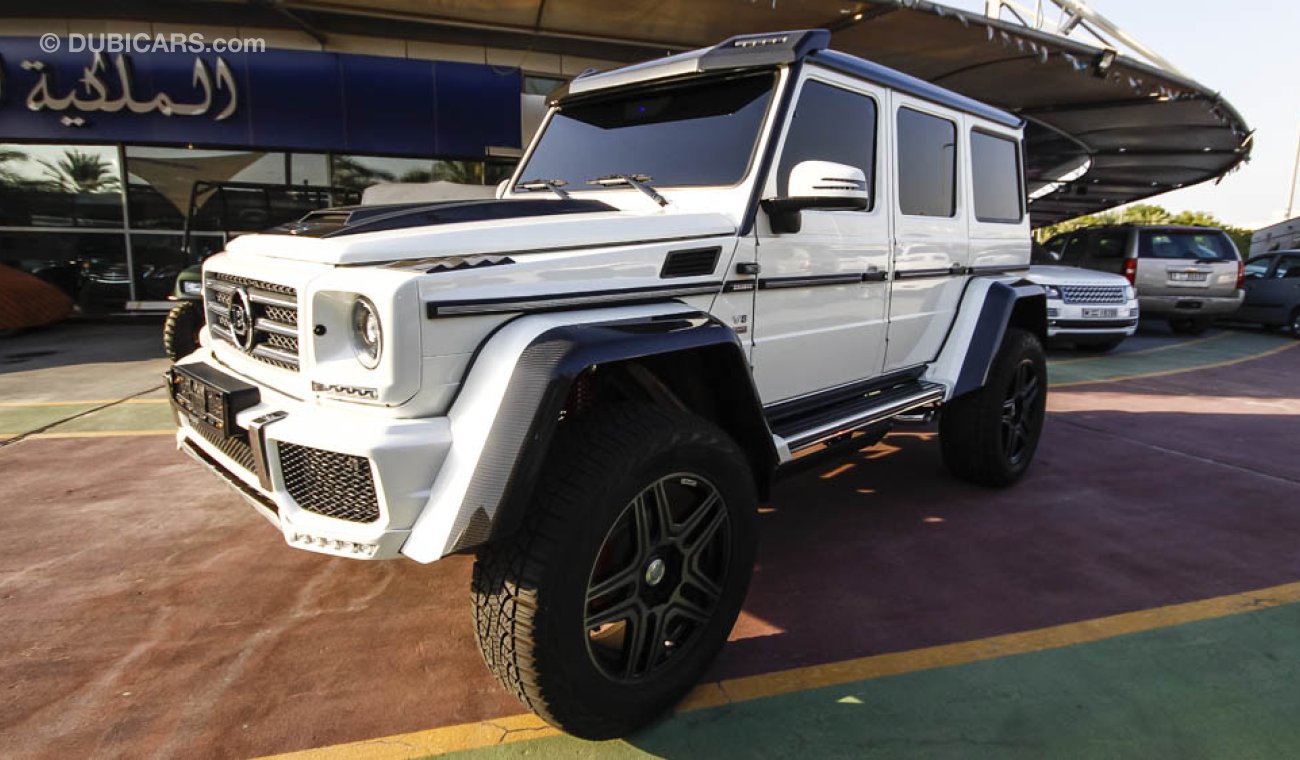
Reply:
x=765 y=49
x=740 y=52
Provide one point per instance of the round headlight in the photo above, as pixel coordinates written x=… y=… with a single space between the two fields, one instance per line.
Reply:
x=1053 y=292
x=367 y=334
x=1130 y=292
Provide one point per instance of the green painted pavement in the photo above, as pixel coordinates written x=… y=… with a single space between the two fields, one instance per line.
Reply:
x=1230 y=346
x=121 y=417
x=1222 y=688
x=20 y=420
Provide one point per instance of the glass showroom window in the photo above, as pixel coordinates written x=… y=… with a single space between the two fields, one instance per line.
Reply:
x=61 y=219
x=160 y=181
x=60 y=186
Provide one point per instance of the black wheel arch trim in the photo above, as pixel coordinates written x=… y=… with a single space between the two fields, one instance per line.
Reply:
x=1019 y=304
x=525 y=426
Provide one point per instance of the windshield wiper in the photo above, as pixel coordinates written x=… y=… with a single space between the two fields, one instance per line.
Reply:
x=634 y=180
x=554 y=185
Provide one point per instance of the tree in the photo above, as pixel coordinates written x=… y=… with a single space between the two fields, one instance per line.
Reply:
x=79 y=172
x=1146 y=213
x=10 y=176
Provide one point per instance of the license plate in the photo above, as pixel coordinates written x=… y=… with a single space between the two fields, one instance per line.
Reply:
x=205 y=403
x=1101 y=313
x=1188 y=276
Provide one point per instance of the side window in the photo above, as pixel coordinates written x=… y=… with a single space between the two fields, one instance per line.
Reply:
x=830 y=124
x=927 y=164
x=1057 y=244
x=1288 y=267
x=1257 y=269
x=995 y=174
x=1072 y=253
x=1110 y=245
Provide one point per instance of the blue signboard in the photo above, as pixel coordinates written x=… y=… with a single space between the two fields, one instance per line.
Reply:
x=274 y=99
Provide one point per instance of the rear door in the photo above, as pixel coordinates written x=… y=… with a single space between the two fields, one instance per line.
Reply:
x=930 y=250
x=1258 y=272
x=1187 y=263
x=1272 y=297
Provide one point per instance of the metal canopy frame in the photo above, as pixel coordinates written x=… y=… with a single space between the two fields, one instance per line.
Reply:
x=1109 y=120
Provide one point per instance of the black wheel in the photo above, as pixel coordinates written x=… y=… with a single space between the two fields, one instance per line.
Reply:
x=989 y=436
x=1293 y=322
x=1189 y=325
x=1100 y=346
x=181 y=331
x=628 y=574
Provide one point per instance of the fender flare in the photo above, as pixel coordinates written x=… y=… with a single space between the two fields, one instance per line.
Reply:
x=507 y=413
x=988 y=308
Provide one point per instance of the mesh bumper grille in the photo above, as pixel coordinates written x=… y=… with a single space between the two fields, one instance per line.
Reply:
x=1092 y=294
x=235 y=448
x=329 y=483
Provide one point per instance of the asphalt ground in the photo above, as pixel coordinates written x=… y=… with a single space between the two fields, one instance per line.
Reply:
x=1136 y=595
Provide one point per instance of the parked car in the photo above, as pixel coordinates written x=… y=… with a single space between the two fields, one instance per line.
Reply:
x=1093 y=310
x=703 y=267
x=1188 y=275
x=1273 y=291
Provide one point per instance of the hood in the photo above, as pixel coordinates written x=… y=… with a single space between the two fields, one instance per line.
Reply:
x=379 y=234
x=1046 y=274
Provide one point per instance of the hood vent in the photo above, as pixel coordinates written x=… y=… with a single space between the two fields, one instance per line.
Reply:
x=697 y=262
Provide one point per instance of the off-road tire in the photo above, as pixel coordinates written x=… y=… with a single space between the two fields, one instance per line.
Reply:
x=181 y=330
x=530 y=591
x=971 y=427
x=1190 y=325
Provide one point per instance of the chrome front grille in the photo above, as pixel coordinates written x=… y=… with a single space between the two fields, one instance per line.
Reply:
x=1092 y=293
x=329 y=483
x=259 y=318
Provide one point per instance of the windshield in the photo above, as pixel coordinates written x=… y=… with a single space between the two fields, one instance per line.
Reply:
x=686 y=135
x=1209 y=245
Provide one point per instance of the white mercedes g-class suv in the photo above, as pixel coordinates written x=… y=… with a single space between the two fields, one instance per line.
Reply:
x=704 y=267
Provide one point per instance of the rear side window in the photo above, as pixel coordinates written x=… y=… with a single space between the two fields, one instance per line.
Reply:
x=1110 y=245
x=927 y=164
x=1189 y=244
x=1257 y=269
x=1288 y=267
x=1072 y=253
x=995 y=173
x=830 y=124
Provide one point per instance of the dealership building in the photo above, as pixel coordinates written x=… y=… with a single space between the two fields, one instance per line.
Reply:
x=118 y=119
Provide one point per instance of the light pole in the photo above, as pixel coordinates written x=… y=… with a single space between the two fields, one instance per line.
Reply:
x=1295 y=169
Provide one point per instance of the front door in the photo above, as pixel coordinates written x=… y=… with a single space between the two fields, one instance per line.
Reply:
x=819 y=314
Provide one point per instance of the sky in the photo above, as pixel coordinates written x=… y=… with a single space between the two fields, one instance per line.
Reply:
x=1248 y=50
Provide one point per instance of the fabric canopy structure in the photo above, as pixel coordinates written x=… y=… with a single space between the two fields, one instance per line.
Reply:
x=1104 y=129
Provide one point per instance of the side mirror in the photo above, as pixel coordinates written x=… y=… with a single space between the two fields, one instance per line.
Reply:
x=818 y=184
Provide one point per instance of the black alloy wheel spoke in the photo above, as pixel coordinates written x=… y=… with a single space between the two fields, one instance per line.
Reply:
x=668 y=582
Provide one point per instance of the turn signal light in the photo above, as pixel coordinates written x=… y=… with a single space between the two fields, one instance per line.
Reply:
x=1131 y=271
x=1241 y=275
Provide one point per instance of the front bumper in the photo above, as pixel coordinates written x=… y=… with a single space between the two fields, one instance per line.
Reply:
x=1070 y=319
x=1191 y=305
x=283 y=445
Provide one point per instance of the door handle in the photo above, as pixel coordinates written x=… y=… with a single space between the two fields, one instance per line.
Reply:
x=748 y=268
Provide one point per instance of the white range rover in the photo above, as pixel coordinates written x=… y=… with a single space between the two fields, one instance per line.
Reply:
x=704 y=267
x=1093 y=310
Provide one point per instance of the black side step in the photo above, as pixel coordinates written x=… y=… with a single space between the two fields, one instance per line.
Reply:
x=859 y=412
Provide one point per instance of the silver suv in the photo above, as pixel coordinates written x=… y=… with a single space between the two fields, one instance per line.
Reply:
x=1188 y=275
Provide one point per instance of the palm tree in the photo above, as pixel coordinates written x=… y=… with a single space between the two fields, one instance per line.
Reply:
x=10 y=176
x=80 y=172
